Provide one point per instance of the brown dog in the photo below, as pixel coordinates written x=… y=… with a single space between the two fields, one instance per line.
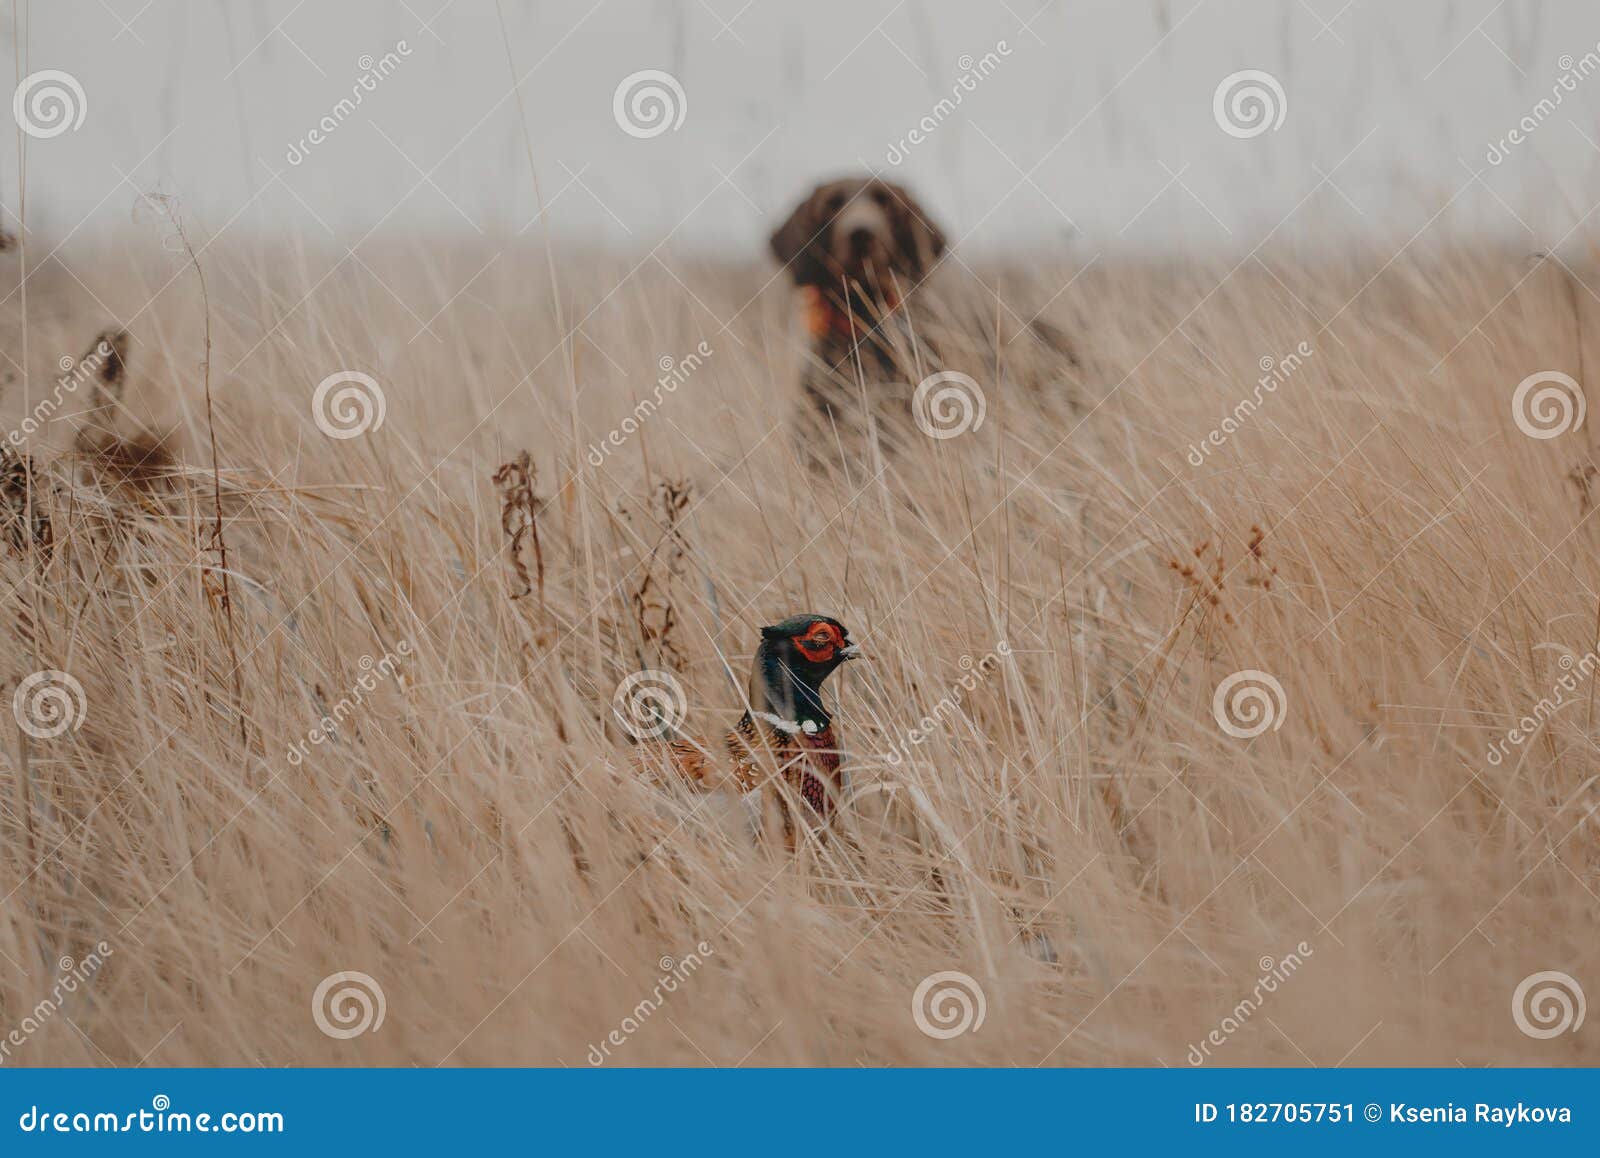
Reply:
x=856 y=248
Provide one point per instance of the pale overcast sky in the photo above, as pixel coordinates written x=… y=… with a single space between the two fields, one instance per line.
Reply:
x=1095 y=119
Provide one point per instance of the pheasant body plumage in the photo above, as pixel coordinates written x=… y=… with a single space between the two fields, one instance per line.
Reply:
x=808 y=761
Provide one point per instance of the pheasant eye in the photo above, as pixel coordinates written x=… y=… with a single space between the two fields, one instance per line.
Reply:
x=817 y=644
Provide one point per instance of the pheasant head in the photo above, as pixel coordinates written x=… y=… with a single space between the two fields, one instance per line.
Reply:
x=793 y=659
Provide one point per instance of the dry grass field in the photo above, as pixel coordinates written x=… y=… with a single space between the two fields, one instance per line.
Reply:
x=1114 y=870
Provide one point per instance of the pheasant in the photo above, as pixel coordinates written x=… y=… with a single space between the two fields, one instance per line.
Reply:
x=786 y=730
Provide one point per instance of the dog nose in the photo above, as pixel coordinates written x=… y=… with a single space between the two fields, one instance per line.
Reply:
x=860 y=240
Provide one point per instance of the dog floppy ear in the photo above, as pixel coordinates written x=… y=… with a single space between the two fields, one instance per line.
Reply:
x=915 y=233
x=791 y=241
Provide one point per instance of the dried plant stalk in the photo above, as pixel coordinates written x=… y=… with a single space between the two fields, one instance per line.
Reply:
x=519 y=519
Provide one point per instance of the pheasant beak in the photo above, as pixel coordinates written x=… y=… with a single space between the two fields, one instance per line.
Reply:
x=850 y=651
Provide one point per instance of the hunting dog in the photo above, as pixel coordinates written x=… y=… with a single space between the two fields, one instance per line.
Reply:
x=856 y=248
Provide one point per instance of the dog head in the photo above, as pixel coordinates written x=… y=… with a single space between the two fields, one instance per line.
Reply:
x=860 y=229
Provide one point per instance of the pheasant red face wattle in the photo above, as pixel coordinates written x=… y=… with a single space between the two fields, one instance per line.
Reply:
x=820 y=643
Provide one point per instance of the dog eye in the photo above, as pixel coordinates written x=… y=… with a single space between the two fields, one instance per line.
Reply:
x=881 y=196
x=835 y=202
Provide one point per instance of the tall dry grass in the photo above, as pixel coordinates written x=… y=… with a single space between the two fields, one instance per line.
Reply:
x=1080 y=837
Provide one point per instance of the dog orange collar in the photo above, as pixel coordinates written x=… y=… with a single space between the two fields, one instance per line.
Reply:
x=823 y=317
